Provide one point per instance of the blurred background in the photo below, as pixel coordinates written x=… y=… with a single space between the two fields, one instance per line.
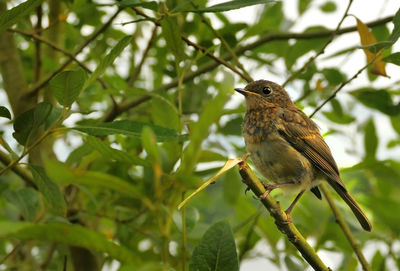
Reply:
x=120 y=183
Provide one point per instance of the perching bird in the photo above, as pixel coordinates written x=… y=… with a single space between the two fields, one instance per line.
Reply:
x=287 y=148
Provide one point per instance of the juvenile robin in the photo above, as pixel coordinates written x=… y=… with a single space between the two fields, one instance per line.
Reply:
x=287 y=148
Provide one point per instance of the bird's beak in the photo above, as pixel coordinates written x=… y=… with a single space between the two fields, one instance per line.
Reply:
x=241 y=91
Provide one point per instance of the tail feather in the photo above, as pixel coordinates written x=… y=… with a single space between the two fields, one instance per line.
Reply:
x=361 y=217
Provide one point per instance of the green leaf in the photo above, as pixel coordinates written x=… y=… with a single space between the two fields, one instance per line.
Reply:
x=370 y=140
x=26 y=200
x=216 y=251
x=192 y=218
x=129 y=128
x=170 y=31
x=378 y=261
x=395 y=120
x=230 y=5
x=200 y=130
x=10 y=17
x=54 y=116
x=396 y=30
x=4 y=112
x=73 y=235
x=376 y=47
x=50 y=191
x=149 y=143
x=115 y=154
x=328 y=7
x=233 y=127
x=27 y=124
x=67 y=85
x=271 y=19
x=378 y=99
x=136 y=3
x=337 y=115
x=303 y=5
x=164 y=112
x=108 y=60
x=393 y=58
x=333 y=76
x=64 y=174
x=301 y=47
x=232 y=186
x=393 y=143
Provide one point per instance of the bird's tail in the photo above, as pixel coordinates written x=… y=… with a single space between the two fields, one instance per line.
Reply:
x=361 y=217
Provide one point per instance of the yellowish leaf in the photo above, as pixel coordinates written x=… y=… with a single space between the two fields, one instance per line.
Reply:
x=62 y=17
x=367 y=38
x=228 y=165
x=319 y=86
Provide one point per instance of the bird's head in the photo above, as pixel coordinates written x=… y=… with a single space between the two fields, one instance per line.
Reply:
x=264 y=93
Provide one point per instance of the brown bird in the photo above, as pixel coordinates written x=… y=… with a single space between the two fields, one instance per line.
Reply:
x=287 y=148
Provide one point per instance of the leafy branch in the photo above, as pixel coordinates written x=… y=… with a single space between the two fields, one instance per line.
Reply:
x=333 y=95
x=322 y=50
x=32 y=92
x=127 y=105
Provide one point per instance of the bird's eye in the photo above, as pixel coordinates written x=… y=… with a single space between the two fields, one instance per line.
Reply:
x=266 y=90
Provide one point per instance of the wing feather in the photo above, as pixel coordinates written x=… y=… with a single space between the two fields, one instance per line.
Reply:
x=303 y=134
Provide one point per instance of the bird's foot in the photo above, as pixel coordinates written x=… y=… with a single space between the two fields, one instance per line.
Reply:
x=268 y=189
x=289 y=218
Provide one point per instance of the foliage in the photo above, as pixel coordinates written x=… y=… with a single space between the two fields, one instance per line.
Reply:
x=110 y=126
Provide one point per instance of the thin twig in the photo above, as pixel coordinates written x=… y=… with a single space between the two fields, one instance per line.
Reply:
x=12 y=252
x=38 y=55
x=247 y=76
x=322 y=50
x=199 y=48
x=345 y=228
x=342 y=85
x=138 y=69
x=59 y=49
x=37 y=87
x=184 y=236
x=281 y=220
x=216 y=58
x=49 y=256
x=20 y=171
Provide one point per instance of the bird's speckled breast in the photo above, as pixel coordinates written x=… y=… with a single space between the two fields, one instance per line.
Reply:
x=272 y=155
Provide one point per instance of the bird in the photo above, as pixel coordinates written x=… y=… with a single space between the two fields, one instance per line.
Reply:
x=287 y=148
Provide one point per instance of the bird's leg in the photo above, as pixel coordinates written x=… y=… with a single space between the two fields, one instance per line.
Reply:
x=289 y=210
x=270 y=187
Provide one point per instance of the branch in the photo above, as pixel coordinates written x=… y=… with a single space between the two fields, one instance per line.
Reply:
x=200 y=48
x=342 y=85
x=38 y=55
x=345 y=228
x=20 y=171
x=114 y=112
x=322 y=50
x=59 y=49
x=41 y=84
x=281 y=221
x=245 y=76
x=144 y=56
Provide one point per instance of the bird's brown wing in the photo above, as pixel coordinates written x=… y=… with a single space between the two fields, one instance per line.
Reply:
x=303 y=134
